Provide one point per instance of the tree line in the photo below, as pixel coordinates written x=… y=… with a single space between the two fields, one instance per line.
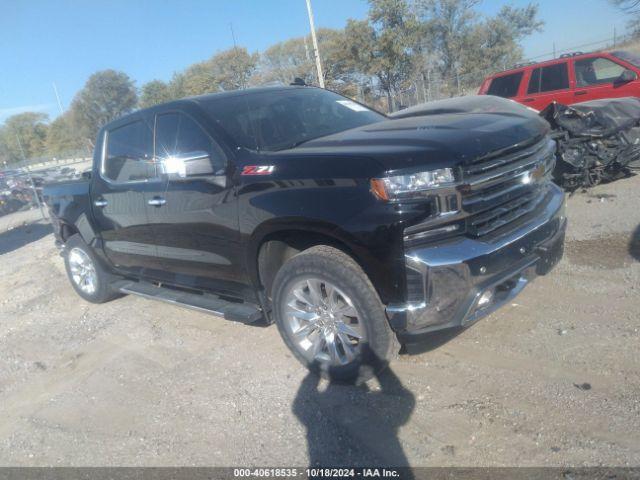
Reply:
x=405 y=50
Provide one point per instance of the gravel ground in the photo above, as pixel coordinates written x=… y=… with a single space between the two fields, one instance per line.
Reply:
x=550 y=380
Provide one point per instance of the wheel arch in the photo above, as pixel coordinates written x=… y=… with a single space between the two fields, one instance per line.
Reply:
x=273 y=244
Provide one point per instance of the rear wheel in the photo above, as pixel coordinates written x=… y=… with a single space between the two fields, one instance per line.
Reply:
x=88 y=277
x=330 y=316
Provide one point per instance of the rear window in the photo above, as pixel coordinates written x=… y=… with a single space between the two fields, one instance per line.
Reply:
x=505 y=86
x=548 y=79
x=128 y=155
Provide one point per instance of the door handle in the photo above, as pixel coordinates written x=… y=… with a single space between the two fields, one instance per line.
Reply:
x=581 y=92
x=157 y=201
x=101 y=202
x=528 y=100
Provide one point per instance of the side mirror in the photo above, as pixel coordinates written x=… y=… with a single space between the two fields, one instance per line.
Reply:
x=627 y=76
x=187 y=165
x=86 y=175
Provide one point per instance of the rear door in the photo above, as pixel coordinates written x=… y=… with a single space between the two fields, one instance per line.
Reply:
x=125 y=175
x=195 y=216
x=547 y=84
x=597 y=77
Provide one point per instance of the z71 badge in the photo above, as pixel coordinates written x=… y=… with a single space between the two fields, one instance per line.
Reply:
x=258 y=170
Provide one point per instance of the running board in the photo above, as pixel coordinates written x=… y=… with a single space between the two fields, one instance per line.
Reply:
x=208 y=303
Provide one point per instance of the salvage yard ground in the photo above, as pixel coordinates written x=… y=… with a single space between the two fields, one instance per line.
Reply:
x=552 y=379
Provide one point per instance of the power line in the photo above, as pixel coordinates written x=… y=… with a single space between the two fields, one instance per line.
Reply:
x=55 y=89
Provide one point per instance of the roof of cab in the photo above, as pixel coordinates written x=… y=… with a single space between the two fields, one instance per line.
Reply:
x=199 y=99
x=562 y=58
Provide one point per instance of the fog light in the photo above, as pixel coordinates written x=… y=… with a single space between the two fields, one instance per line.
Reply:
x=485 y=298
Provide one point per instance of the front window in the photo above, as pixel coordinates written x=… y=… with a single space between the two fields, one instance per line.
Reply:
x=281 y=119
x=593 y=71
x=178 y=136
x=632 y=58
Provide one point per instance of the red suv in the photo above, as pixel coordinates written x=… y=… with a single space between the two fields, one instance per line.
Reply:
x=572 y=78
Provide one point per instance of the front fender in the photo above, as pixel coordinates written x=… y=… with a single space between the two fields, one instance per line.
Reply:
x=292 y=224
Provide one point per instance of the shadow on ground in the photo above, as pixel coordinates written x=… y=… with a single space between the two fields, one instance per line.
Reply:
x=23 y=235
x=354 y=425
x=634 y=244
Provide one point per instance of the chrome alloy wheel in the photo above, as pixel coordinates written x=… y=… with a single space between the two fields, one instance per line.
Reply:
x=323 y=322
x=83 y=272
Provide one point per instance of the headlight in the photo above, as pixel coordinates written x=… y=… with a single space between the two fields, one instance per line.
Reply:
x=411 y=186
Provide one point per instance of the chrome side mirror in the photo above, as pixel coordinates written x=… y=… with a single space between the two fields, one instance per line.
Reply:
x=186 y=165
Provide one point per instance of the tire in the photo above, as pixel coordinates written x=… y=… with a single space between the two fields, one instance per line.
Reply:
x=101 y=291
x=343 y=285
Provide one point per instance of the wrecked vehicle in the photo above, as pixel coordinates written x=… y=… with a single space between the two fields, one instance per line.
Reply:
x=597 y=140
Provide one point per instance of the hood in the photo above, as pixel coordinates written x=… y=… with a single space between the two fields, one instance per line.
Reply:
x=448 y=132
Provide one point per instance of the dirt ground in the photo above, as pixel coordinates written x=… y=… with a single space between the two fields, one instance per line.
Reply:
x=552 y=379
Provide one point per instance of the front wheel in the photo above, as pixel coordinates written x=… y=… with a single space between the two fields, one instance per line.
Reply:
x=330 y=316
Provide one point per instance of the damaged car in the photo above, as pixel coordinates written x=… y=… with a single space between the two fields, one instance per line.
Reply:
x=597 y=140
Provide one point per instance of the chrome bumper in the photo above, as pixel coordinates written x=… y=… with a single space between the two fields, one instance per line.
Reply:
x=460 y=281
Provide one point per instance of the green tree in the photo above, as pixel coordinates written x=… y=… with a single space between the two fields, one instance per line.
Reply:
x=107 y=95
x=496 y=41
x=285 y=61
x=154 y=93
x=23 y=136
x=227 y=70
x=62 y=137
x=233 y=68
x=463 y=46
x=632 y=8
x=383 y=45
x=629 y=6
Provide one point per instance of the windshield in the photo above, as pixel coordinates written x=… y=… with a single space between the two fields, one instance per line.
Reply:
x=281 y=119
x=629 y=57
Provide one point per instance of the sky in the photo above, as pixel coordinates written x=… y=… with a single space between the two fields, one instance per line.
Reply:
x=43 y=42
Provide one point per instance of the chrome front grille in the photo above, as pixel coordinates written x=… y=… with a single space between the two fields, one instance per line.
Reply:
x=501 y=188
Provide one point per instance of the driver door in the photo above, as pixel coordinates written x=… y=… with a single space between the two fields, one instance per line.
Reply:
x=195 y=213
x=598 y=77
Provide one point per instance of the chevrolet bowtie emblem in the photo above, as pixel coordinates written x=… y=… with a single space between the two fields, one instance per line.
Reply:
x=537 y=173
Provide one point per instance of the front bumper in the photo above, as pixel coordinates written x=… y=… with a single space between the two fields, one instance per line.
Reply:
x=462 y=280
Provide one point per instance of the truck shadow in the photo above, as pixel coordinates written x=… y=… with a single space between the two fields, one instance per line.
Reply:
x=429 y=341
x=354 y=425
x=634 y=244
x=18 y=237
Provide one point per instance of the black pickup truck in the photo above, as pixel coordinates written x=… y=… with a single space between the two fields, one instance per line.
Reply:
x=298 y=206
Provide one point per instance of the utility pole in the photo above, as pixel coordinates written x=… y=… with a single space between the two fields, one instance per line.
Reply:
x=58 y=98
x=315 y=45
